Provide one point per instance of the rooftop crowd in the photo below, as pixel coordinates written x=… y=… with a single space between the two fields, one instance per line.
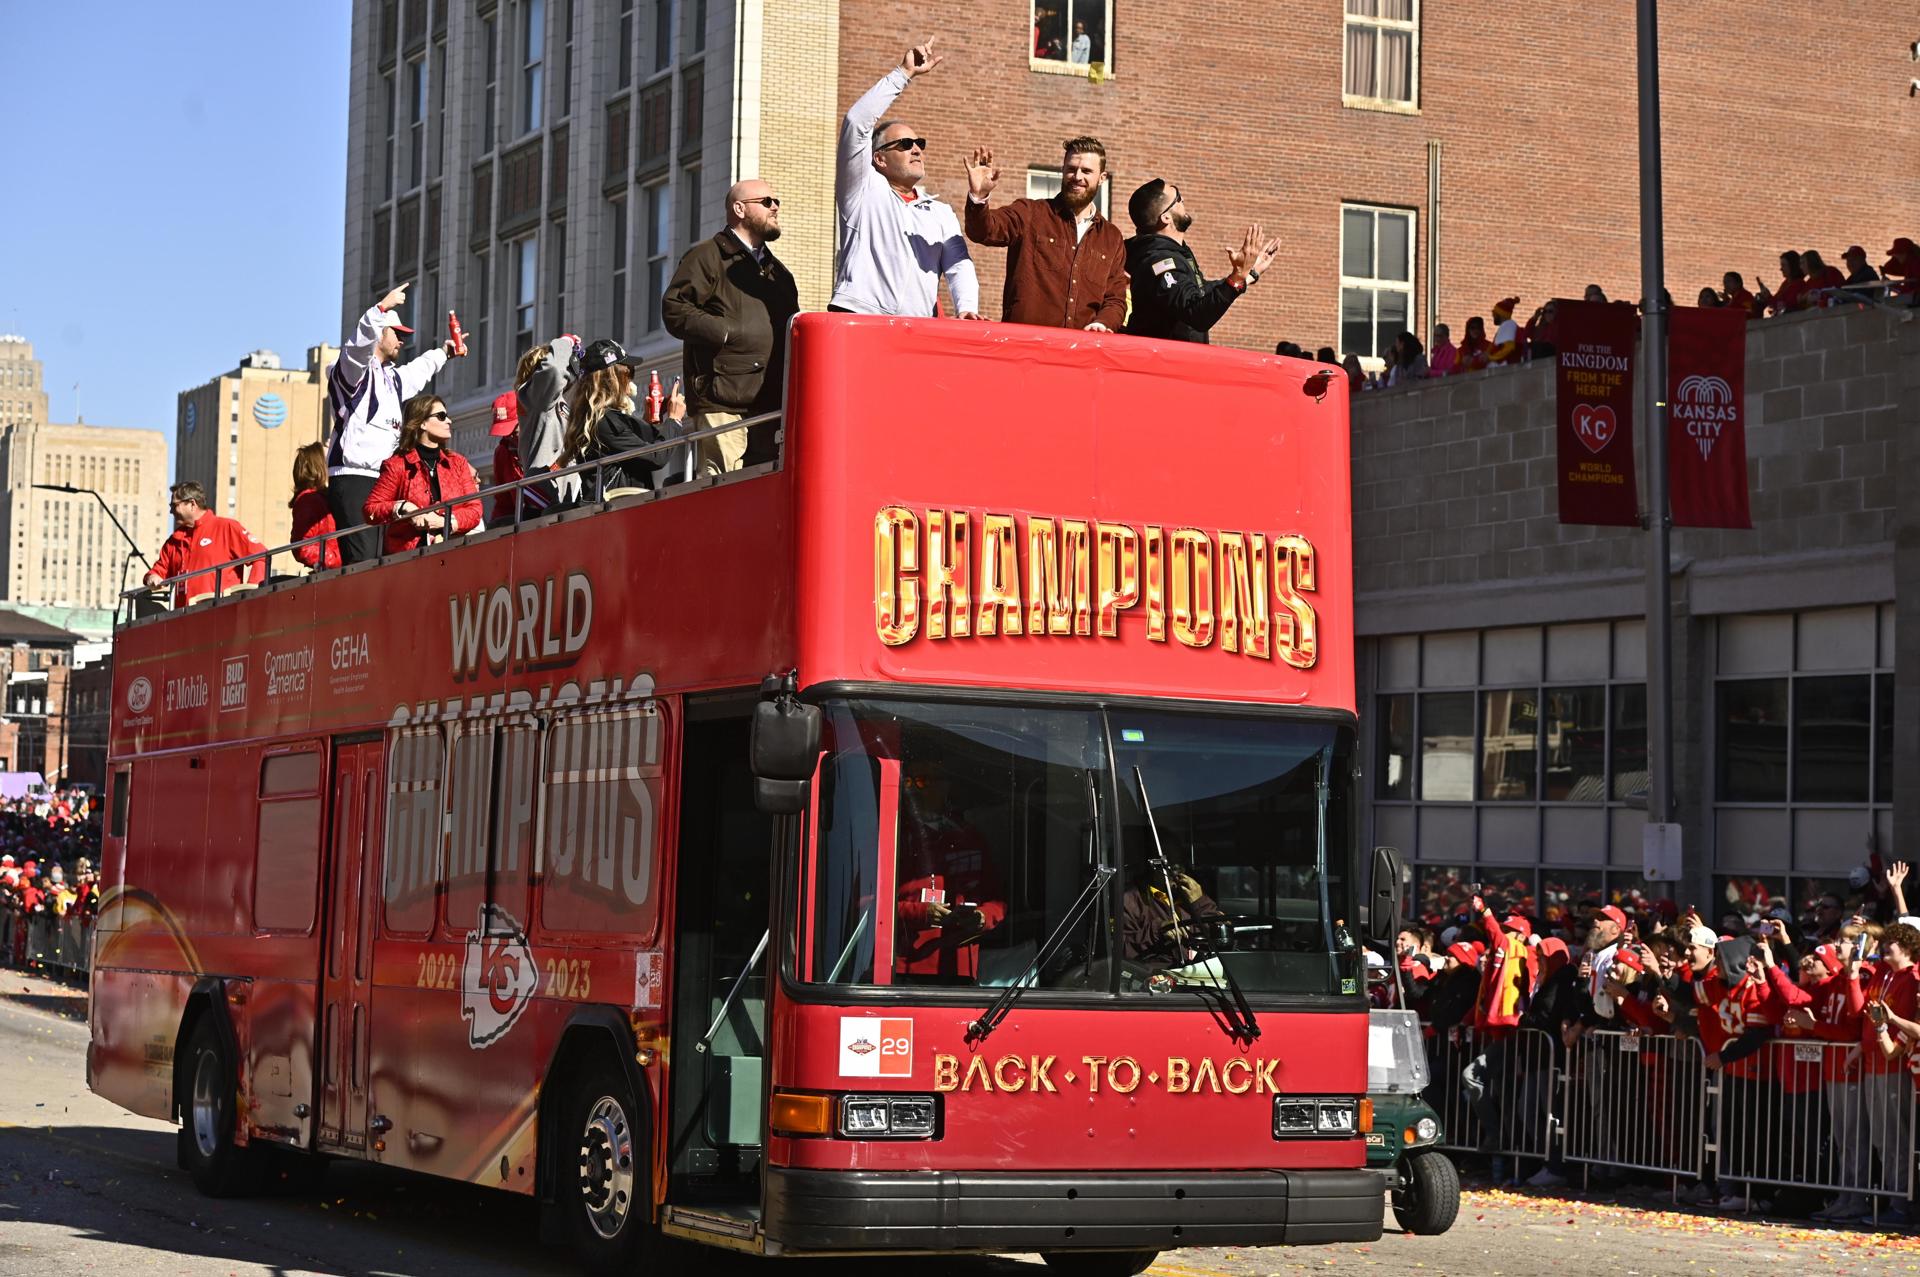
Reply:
x=1481 y=969
x=388 y=479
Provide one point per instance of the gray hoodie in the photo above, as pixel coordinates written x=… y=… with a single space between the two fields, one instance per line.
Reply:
x=543 y=408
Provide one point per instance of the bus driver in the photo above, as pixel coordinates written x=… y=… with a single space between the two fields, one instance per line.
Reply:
x=1153 y=925
x=949 y=893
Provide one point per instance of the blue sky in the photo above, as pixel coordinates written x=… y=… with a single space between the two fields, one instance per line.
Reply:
x=177 y=186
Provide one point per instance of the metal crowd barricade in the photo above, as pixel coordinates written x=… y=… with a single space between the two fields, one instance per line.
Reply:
x=1637 y=1102
x=1495 y=1094
x=46 y=941
x=1797 y=1119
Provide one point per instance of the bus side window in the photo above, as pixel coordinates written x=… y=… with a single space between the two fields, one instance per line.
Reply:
x=490 y=847
x=286 y=874
x=600 y=831
x=469 y=781
x=410 y=870
x=512 y=876
x=113 y=850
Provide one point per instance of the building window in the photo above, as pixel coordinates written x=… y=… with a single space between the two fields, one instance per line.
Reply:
x=623 y=57
x=1074 y=35
x=524 y=255
x=490 y=40
x=1753 y=740
x=1382 y=53
x=690 y=204
x=481 y=307
x=693 y=105
x=381 y=265
x=533 y=43
x=440 y=106
x=416 y=122
x=617 y=229
x=618 y=113
x=482 y=202
x=520 y=185
x=659 y=230
x=1446 y=747
x=557 y=268
x=1044 y=184
x=1510 y=744
x=1376 y=278
x=406 y=254
x=557 y=169
x=566 y=57
x=393 y=113
x=656 y=124
x=698 y=26
x=662 y=34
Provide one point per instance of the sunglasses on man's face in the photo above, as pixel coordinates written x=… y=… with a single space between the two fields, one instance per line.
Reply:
x=903 y=144
x=771 y=201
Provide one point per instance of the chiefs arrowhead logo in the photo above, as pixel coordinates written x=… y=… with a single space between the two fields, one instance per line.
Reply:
x=497 y=977
x=1594 y=426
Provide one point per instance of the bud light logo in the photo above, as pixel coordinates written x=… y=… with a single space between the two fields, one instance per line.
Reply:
x=497 y=977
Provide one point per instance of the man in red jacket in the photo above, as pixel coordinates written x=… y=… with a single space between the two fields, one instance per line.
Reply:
x=1888 y=1033
x=201 y=542
x=1066 y=264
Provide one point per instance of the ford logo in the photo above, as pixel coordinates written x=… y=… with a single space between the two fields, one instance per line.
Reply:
x=270 y=410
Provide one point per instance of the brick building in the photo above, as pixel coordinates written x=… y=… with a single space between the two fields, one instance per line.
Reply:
x=1515 y=750
x=541 y=164
x=36 y=664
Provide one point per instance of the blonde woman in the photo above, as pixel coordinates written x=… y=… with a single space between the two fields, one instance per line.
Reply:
x=601 y=423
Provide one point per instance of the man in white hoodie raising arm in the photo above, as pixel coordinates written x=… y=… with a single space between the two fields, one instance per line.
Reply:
x=896 y=241
x=365 y=389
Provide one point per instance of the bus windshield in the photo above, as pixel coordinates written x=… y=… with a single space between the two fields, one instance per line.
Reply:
x=953 y=839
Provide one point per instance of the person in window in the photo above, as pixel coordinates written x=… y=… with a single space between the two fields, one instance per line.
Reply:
x=949 y=894
x=1082 y=45
x=1154 y=924
x=601 y=422
x=423 y=472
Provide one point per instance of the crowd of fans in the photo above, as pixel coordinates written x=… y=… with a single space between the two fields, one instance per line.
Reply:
x=1807 y=283
x=49 y=865
x=1484 y=969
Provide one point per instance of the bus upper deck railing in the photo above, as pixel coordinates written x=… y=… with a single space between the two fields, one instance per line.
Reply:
x=602 y=497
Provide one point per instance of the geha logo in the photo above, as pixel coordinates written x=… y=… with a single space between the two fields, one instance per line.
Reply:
x=497 y=977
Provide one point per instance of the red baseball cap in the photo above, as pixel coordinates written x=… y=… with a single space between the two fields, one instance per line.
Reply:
x=1829 y=958
x=506 y=414
x=1613 y=912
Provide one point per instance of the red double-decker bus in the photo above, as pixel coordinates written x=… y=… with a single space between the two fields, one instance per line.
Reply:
x=944 y=839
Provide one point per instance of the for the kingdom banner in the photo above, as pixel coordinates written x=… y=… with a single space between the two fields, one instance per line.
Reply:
x=1593 y=385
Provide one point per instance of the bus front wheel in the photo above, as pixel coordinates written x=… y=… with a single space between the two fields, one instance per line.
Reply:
x=1099 y=1263
x=207 y=1082
x=602 y=1181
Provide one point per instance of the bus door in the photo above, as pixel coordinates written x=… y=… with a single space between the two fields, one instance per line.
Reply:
x=347 y=976
x=722 y=957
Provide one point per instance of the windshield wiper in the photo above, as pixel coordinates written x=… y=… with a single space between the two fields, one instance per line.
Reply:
x=1236 y=1013
x=990 y=1018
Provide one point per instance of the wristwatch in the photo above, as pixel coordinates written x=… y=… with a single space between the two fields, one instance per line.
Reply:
x=1253 y=277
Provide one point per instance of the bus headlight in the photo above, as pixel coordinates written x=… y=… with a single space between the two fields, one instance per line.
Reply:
x=1294 y=1117
x=887 y=1117
x=1426 y=1130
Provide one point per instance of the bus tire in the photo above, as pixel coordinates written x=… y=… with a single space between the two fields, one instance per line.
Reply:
x=602 y=1180
x=1428 y=1198
x=1099 y=1263
x=208 y=1083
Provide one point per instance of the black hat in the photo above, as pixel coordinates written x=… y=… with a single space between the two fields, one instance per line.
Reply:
x=1144 y=206
x=604 y=353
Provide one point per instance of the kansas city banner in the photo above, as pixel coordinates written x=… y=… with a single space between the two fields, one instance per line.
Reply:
x=1706 y=418
x=1593 y=384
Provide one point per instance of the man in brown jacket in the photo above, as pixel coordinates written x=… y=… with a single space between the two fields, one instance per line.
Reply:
x=1066 y=264
x=729 y=303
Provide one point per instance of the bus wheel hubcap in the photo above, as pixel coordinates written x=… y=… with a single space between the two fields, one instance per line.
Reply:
x=606 y=1166
x=206 y=1104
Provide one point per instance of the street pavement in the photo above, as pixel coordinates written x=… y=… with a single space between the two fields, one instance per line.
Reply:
x=88 y=1188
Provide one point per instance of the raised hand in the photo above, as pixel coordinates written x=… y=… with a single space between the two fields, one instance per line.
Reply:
x=1255 y=253
x=920 y=59
x=982 y=172
x=398 y=297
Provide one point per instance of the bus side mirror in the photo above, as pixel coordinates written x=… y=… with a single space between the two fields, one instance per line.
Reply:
x=1383 y=901
x=786 y=743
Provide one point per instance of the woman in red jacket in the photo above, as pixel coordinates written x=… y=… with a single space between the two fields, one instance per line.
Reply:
x=422 y=472
x=312 y=516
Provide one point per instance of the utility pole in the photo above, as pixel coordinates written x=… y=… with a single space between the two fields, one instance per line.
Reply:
x=1661 y=847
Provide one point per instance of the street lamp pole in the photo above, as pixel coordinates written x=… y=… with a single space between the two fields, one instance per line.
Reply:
x=1653 y=394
